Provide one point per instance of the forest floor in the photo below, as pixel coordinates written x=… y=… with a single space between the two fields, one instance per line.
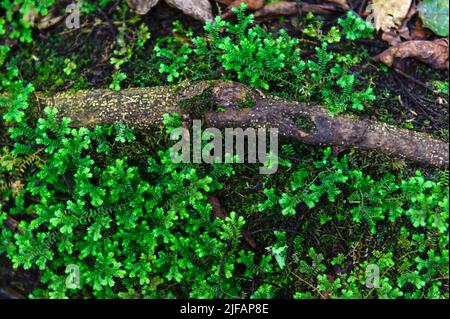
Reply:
x=320 y=250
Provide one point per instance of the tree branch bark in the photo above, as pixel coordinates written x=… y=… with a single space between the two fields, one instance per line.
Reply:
x=227 y=104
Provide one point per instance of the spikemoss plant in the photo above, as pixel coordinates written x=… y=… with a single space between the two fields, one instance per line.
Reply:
x=253 y=56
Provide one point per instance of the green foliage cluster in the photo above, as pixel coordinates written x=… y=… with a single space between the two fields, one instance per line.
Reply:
x=17 y=18
x=148 y=231
x=129 y=41
x=413 y=211
x=440 y=87
x=368 y=200
x=16 y=25
x=133 y=231
x=53 y=71
x=253 y=56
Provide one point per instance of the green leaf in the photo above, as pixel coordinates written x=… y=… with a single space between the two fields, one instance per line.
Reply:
x=434 y=14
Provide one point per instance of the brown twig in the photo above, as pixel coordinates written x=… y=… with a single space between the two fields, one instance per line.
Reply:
x=412 y=79
x=222 y=266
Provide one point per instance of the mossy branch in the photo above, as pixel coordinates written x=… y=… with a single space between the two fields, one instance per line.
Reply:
x=226 y=106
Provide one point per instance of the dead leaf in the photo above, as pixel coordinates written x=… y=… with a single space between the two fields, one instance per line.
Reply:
x=395 y=37
x=401 y=33
x=251 y=5
x=277 y=8
x=404 y=33
x=386 y=14
x=49 y=21
x=434 y=53
x=142 y=6
x=42 y=22
x=419 y=32
x=391 y=37
x=217 y=208
x=198 y=9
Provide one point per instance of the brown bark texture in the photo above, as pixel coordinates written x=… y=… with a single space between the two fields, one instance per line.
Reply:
x=227 y=104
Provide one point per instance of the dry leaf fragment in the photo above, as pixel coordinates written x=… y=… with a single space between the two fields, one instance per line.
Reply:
x=402 y=32
x=251 y=4
x=419 y=33
x=386 y=14
x=142 y=6
x=34 y=19
x=49 y=21
x=278 y=8
x=434 y=53
x=393 y=38
x=198 y=9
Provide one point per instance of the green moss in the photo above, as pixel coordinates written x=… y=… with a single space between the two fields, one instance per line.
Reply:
x=305 y=123
x=199 y=104
x=247 y=103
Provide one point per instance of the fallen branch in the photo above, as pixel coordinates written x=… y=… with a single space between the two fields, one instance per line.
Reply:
x=292 y=8
x=143 y=108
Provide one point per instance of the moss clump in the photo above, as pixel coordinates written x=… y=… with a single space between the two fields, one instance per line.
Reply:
x=248 y=103
x=305 y=123
x=197 y=105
